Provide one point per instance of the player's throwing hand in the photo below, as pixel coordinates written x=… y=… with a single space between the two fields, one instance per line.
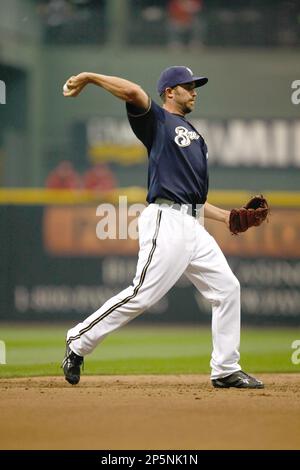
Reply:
x=75 y=84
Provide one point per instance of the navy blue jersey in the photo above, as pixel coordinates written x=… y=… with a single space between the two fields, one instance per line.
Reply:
x=177 y=155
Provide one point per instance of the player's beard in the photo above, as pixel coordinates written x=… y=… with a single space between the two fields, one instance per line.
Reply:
x=188 y=107
x=185 y=105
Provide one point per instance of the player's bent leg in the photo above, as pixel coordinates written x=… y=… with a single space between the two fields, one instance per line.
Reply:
x=158 y=269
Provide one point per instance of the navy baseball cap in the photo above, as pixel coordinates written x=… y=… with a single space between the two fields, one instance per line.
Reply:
x=178 y=75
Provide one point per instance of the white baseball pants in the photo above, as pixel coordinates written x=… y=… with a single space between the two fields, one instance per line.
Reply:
x=172 y=243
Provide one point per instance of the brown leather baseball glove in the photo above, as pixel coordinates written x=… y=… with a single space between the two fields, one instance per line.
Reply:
x=251 y=215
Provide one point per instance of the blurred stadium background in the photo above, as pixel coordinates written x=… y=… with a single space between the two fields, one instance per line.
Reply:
x=60 y=158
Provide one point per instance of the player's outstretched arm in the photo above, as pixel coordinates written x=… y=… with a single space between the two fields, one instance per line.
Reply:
x=216 y=213
x=119 y=87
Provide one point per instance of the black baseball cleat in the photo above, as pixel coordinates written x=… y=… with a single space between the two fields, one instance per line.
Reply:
x=238 y=379
x=71 y=366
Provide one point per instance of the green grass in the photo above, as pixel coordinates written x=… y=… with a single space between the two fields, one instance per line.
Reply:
x=38 y=350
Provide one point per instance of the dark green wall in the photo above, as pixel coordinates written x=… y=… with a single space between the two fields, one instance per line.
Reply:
x=20 y=37
x=242 y=83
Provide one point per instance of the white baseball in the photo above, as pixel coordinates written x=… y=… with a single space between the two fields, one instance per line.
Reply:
x=66 y=88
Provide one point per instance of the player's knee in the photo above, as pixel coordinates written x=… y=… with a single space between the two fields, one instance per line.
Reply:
x=142 y=304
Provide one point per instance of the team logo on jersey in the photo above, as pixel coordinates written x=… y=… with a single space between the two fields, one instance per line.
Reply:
x=184 y=136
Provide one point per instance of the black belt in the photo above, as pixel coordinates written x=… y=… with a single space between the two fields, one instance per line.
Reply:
x=190 y=209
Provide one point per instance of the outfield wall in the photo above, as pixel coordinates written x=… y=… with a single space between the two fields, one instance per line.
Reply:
x=53 y=266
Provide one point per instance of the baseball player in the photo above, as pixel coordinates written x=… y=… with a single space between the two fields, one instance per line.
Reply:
x=172 y=241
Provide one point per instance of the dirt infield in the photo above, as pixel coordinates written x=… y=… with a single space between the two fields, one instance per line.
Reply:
x=148 y=412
